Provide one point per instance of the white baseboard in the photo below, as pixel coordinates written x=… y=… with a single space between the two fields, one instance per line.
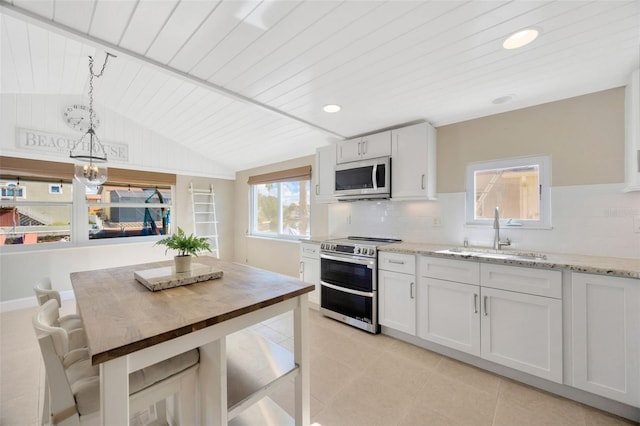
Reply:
x=30 y=302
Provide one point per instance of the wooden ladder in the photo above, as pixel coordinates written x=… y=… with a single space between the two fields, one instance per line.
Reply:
x=205 y=223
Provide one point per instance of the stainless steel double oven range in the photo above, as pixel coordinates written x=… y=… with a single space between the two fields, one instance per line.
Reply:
x=349 y=280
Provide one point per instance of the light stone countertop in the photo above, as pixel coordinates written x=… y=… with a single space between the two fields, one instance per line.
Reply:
x=611 y=266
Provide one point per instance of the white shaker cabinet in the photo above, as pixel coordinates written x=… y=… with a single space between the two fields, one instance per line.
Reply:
x=484 y=309
x=606 y=336
x=363 y=148
x=396 y=292
x=310 y=268
x=413 y=169
x=521 y=321
x=449 y=314
x=324 y=174
x=448 y=308
x=632 y=132
x=522 y=331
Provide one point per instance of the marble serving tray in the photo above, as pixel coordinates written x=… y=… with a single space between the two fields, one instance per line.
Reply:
x=164 y=278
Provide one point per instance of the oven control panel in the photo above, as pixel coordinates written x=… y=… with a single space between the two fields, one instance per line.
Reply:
x=357 y=250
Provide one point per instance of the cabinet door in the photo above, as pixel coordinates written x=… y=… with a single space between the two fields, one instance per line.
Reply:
x=310 y=269
x=522 y=331
x=376 y=145
x=632 y=132
x=413 y=151
x=325 y=174
x=396 y=301
x=349 y=150
x=606 y=336
x=449 y=314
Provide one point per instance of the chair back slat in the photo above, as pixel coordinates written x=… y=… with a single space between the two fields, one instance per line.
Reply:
x=62 y=403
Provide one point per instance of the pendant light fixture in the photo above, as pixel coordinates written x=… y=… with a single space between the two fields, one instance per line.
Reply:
x=88 y=152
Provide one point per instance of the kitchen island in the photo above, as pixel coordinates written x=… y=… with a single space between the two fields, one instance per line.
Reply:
x=129 y=327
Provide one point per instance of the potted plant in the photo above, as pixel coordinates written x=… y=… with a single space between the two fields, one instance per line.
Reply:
x=186 y=246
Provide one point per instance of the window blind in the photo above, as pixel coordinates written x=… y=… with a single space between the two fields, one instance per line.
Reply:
x=295 y=174
x=24 y=167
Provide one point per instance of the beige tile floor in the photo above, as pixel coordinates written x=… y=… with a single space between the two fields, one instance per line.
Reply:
x=356 y=379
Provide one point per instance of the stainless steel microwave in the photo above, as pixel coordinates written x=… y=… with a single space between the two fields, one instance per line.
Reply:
x=364 y=179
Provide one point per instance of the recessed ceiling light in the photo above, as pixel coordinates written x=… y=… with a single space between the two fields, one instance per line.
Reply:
x=503 y=99
x=520 y=38
x=331 y=108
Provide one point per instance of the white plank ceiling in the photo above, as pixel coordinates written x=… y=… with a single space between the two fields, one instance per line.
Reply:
x=243 y=81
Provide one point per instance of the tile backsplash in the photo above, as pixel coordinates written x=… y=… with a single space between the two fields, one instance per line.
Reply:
x=588 y=219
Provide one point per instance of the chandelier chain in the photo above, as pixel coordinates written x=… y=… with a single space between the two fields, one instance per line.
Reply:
x=91 y=75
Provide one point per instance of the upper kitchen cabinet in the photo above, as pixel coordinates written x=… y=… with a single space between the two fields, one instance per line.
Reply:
x=324 y=174
x=365 y=147
x=632 y=133
x=413 y=168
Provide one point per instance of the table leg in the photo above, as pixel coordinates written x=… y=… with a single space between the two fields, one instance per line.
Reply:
x=213 y=383
x=301 y=356
x=114 y=392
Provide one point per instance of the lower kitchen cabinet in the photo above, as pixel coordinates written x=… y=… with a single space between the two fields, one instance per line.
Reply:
x=606 y=336
x=397 y=292
x=449 y=314
x=522 y=331
x=310 y=268
x=458 y=308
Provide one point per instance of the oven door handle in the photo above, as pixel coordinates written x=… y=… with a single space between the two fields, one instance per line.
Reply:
x=369 y=263
x=346 y=290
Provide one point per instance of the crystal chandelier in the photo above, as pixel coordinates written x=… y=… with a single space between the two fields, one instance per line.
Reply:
x=88 y=152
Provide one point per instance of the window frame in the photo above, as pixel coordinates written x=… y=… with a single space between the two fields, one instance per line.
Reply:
x=544 y=166
x=79 y=206
x=253 y=217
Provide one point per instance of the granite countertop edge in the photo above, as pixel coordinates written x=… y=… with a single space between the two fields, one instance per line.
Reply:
x=600 y=265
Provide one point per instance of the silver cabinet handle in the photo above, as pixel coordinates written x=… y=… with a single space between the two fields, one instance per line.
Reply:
x=422 y=181
x=359 y=152
x=364 y=147
x=397 y=262
x=317 y=189
x=475 y=303
x=411 y=290
x=301 y=267
x=485 y=306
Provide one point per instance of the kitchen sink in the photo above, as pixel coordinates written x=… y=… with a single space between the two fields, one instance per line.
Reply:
x=493 y=254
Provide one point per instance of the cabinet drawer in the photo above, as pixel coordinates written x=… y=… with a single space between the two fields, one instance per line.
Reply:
x=310 y=250
x=396 y=262
x=451 y=270
x=540 y=282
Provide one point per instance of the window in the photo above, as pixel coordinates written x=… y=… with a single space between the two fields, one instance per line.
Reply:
x=13 y=190
x=519 y=187
x=55 y=188
x=280 y=203
x=51 y=207
x=42 y=217
x=128 y=211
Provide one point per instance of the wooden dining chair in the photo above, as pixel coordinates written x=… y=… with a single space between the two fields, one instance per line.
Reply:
x=74 y=384
x=72 y=322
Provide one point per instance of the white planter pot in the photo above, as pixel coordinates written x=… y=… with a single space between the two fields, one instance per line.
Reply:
x=182 y=263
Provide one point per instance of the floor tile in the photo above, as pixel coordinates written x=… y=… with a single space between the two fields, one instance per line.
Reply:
x=357 y=378
x=523 y=405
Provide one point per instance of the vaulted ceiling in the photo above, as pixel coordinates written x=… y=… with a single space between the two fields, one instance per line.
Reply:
x=244 y=81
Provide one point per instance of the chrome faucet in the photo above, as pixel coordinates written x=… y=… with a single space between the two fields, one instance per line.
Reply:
x=497 y=244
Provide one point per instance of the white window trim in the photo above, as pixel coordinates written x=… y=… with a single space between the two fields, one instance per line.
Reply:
x=253 y=199
x=544 y=164
x=55 y=185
